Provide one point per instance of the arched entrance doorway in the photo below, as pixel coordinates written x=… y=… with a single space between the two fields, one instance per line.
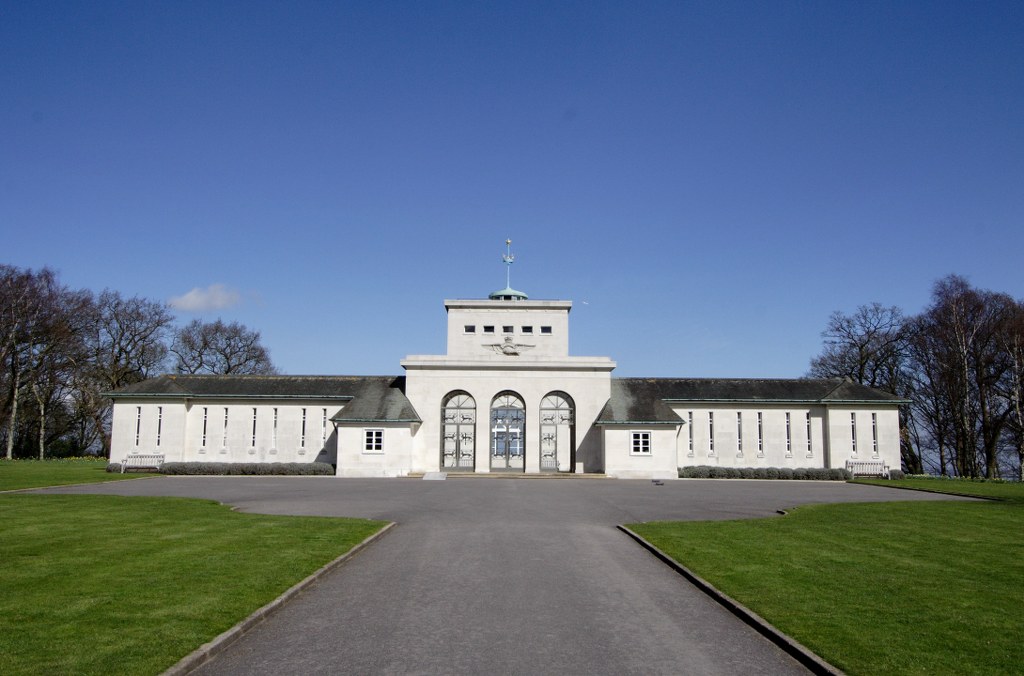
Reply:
x=458 y=431
x=557 y=433
x=508 y=433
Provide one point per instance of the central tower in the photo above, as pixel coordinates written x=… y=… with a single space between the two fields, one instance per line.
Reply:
x=509 y=395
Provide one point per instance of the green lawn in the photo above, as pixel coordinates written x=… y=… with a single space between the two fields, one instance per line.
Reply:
x=104 y=584
x=38 y=473
x=927 y=587
x=1011 y=491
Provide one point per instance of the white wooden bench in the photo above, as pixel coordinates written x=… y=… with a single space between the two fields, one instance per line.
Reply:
x=142 y=461
x=867 y=468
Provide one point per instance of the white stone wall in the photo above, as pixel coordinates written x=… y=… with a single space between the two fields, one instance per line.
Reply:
x=514 y=314
x=393 y=460
x=885 y=431
x=427 y=386
x=733 y=448
x=661 y=463
x=153 y=426
x=830 y=435
x=181 y=430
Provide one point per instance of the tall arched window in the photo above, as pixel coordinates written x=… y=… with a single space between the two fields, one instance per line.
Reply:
x=508 y=432
x=557 y=433
x=458 y=431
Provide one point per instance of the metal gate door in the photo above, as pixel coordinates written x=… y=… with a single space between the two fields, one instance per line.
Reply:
x=508 y=428
x=557 y=451
x=458 y=429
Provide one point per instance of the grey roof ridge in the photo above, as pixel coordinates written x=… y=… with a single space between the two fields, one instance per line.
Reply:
x=188 y=394
x=640 y=422
x=848 y=380
x=172 y=379
x=839 y=383
x=272 y=376
x=724 y=378
x=340 y=420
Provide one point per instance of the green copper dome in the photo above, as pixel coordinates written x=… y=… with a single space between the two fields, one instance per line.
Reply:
x=508 y=293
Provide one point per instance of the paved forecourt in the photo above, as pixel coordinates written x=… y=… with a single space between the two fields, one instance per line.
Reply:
x=503 y=576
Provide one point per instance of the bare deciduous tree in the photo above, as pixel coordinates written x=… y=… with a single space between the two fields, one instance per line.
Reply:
x=62 y=350
x=870 y=347
x=126 y=342
x=219 y=348
x=960 y=361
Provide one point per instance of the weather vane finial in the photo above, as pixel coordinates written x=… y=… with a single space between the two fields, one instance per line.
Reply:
x=508 y=259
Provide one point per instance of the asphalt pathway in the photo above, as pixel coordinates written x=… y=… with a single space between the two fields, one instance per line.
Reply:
x=503 y=576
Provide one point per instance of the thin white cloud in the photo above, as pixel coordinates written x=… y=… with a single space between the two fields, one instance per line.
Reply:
x=213 y=297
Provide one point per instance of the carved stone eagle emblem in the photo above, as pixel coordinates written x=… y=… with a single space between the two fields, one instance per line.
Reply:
x=508 y=348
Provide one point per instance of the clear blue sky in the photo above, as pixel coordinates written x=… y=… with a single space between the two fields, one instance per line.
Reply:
x=707 y=181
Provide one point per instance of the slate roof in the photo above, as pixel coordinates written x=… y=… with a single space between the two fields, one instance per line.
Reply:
x=633 y=400
x=636 y=400
x=380 y=400
x=646 y=400
x=371 y=398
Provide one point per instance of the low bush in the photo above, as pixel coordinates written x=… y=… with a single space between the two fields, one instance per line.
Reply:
x=241 y=468
x=896 y=474
x=781 y=473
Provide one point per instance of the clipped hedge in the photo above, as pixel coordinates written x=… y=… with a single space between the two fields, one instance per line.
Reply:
x=241 y=468
x=781 y=473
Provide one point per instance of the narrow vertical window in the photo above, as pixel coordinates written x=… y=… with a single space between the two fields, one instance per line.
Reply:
x=711 y=432
x=254 y=428
x=138 y=424
x=224 y=438
x=689 y=423
x=204 y=427
x=159 y=423
x=789 y=435
x=760 y=433
x=809 y=447
x=853 y=430
x=739 y=433
x=302 y=436
x=273 y=443
x=323 y=429
x=874 y=434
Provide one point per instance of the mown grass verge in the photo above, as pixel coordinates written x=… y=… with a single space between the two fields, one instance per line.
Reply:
x=1010 y=491
x=106 y=584
x=923 y=587
x=15 y=474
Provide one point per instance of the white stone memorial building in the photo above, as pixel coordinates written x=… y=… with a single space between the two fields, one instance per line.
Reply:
x=507 y=397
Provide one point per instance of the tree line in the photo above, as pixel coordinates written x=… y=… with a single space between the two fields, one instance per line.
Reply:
x=62 y=349
x=961 y=364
